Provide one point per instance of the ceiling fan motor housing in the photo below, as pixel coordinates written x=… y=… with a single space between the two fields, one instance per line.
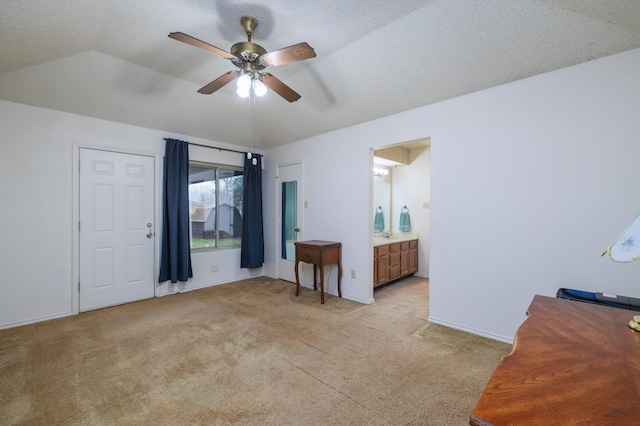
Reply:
x=247 y=51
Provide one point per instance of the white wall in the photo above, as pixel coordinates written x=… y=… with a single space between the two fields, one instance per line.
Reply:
x=37 y=229
x=337 y=190
x=530 y=182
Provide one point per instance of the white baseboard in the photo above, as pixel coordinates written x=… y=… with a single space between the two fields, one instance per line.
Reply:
x=35 y=320
x=470 y=330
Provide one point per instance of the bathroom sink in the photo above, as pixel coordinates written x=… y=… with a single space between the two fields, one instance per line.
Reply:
x=393 y=238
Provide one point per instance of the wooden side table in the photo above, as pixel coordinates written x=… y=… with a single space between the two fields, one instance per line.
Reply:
x=320 y=253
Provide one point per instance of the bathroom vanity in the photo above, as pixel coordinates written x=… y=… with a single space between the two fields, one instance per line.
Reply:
x=393 y=259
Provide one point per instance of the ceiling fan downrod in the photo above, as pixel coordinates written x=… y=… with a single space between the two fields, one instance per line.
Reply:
x=249 y=23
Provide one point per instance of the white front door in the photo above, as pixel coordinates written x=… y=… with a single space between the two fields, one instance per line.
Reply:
x=289 y=218
x=116 y=228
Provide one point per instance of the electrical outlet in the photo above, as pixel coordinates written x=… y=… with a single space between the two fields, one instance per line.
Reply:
x=215 y=268
x=353 y=273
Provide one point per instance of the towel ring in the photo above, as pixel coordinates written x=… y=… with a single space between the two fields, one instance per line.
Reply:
x=379 y=209
x=404 y=210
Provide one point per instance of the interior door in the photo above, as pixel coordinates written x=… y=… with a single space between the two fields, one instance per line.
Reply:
x=116 y=228
x=289 y=218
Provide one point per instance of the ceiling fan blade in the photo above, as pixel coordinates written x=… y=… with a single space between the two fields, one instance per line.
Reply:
x=201 y=45
x=218 y=82
x=279 y=87
x=297 y=52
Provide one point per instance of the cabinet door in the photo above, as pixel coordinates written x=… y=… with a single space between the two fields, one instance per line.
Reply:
x=381 y=265
x=375 y=268
x=413 y=257
x=404 y=263
x=404 y=258
x=383 y=269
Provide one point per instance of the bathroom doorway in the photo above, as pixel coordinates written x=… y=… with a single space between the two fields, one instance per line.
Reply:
x=401 y=198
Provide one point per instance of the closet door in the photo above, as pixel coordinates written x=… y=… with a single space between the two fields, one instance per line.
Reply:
x=289 y=219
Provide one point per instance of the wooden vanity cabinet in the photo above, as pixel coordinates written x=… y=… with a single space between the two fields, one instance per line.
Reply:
x=394 y=261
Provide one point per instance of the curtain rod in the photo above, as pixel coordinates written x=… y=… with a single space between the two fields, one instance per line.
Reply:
x=213 y=147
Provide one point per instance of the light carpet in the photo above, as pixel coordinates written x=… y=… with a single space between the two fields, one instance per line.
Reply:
x=249 y=352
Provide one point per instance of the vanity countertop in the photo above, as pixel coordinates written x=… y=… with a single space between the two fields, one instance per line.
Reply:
x=396 y=238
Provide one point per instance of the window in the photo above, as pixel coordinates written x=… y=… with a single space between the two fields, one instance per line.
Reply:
x=215 y=201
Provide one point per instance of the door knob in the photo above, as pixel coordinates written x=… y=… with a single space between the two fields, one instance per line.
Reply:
x=149 y=234
x=297 y=229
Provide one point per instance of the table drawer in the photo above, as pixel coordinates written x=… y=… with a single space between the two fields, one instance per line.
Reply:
x=308 y=256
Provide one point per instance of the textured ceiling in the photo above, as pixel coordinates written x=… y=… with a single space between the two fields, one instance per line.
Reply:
x=112 y=59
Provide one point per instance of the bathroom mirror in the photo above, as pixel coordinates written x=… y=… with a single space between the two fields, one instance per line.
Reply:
x=381 y=201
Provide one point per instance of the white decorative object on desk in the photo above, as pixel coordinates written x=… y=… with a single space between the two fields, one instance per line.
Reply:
x=626 y=248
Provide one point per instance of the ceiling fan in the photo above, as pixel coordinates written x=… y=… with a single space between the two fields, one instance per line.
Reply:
x=251 y=59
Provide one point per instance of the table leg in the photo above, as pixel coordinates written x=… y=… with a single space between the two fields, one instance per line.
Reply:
x=297 y=279
x=339 y=277
x=322 y=284
x=315 y=279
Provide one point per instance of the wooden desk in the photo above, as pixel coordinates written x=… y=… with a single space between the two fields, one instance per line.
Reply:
x=572 y=363
x=320 y=253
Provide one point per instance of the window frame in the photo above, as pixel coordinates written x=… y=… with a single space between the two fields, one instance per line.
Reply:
x=217 y=167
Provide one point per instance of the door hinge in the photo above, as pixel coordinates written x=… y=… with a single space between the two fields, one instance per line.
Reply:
x=78 y=226
x=78 y=165
x=78 y=286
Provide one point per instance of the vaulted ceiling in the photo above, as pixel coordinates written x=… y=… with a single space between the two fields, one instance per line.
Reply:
x=112 y=59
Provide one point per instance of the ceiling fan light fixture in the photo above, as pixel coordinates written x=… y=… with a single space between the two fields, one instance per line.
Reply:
x=244 y=93
x=259 y=87
x=244 y=82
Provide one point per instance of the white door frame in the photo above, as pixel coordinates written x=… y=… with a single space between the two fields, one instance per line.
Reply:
x=278 y=233
x=75 y=214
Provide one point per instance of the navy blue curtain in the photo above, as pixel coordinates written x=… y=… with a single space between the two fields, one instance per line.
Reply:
x=252 y=251
x=176 y=254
